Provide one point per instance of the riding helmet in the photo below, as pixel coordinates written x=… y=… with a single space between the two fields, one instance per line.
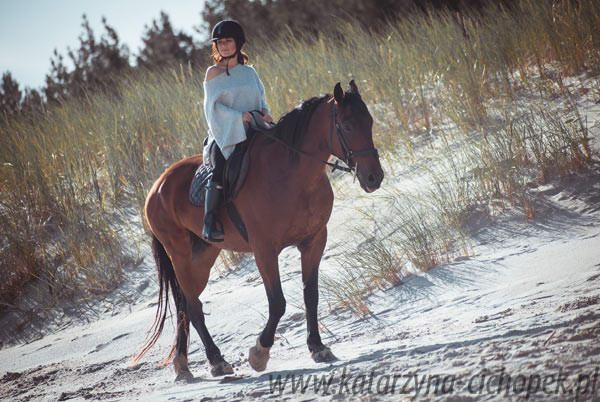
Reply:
x=229 y=29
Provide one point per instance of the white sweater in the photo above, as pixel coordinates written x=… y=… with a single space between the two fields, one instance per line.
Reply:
x=226 y=97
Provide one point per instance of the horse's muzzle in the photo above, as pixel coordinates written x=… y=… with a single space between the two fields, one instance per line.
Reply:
x=370 y=180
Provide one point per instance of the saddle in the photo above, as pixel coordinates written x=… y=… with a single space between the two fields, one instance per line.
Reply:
x=234 y=174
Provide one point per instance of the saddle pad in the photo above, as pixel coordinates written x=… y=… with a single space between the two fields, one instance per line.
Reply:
x=198 y=187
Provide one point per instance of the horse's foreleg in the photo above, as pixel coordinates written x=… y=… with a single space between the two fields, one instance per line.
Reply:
x=311 y=252
x=269 y=271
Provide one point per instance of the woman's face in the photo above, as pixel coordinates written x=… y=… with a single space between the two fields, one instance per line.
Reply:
x=226 y=46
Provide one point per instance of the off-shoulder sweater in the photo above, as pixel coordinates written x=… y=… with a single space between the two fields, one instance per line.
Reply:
x=226 y=97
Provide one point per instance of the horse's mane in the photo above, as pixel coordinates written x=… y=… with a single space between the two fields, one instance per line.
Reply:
x=292 y=127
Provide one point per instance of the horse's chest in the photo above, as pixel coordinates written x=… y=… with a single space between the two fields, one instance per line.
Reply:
x=289 y=212
x=311 y=212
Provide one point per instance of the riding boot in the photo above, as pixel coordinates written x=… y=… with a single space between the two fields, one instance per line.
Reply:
x=211 y=213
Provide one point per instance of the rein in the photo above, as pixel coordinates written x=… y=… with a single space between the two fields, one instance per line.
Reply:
x=348 y=153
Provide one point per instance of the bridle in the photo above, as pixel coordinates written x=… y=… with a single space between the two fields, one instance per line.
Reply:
x=348 y=153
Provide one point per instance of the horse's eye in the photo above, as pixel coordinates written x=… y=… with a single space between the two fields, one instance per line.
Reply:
x=347 y=127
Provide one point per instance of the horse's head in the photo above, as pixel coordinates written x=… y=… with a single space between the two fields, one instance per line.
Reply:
x=354 y=145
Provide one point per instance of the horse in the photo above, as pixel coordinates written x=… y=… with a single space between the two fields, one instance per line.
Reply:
x=286 y=200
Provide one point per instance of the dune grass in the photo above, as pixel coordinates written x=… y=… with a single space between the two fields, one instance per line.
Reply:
x=477 y=106
x=68 y=176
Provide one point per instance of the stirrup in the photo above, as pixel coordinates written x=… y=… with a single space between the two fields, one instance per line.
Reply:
x=210 y=231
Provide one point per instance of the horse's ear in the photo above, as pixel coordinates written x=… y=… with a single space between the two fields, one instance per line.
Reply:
x=338 y=93
x=353 y=88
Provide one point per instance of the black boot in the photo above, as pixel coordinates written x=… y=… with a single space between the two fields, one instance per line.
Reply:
x=211 y=213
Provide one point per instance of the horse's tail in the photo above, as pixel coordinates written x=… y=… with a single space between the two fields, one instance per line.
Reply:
x=166 y=280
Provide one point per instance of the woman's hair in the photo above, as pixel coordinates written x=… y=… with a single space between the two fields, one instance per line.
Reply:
x=242 y=57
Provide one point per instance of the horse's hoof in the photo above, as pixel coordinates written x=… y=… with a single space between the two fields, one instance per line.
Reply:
x=221 y=368
x=258 y=357
x=324 y=355
x=184 y=376
x=182 y=370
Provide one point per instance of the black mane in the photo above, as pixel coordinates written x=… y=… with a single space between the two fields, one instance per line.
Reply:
x=292 y=127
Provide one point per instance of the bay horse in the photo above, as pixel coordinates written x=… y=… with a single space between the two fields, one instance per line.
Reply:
x=286 y=201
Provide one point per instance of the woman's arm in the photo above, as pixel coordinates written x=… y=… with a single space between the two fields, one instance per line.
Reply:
x=263 y=100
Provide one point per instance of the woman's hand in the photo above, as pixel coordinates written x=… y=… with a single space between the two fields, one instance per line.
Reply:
x=246 y=117
x=266 y=117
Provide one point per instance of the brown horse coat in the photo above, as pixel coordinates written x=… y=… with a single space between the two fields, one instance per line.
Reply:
x=284 y=202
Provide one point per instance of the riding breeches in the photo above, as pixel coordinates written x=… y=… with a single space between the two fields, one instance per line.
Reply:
x=218 y=161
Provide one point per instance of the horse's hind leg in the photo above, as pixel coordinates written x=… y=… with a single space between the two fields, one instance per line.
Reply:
x=218 y=364
x=192 y=267
x=180 y=362
x=311 y=251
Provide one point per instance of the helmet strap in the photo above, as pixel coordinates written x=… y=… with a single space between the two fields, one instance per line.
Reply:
x=227 y=59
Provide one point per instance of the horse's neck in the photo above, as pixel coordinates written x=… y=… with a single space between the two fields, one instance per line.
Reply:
x=308 y=171
x=316 y=142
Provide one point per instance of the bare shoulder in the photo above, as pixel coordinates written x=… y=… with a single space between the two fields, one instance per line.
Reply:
x=212 y=72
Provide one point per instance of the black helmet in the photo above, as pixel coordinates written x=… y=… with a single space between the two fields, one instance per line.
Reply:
x=229 y=29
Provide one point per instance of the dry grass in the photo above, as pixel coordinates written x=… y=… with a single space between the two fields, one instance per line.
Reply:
x=480 y=116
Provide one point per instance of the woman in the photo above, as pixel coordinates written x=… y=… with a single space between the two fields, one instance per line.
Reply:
x=231 y=90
